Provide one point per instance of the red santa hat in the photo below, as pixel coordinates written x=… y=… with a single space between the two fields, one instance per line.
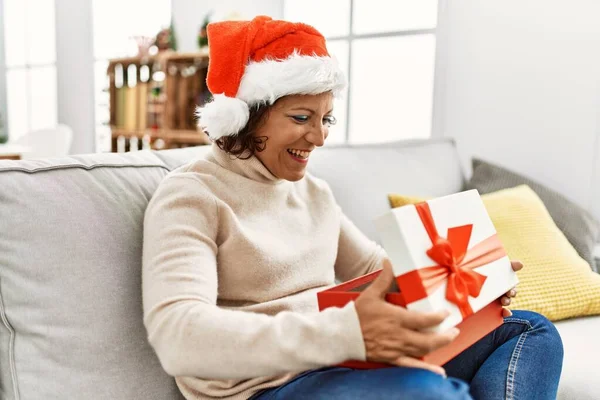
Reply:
x=259 y=61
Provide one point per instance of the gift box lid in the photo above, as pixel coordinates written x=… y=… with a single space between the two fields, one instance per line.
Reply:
x=467 y=252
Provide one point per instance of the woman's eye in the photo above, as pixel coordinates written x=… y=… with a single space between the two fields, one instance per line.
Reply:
x=330 y=120
x=300 y=118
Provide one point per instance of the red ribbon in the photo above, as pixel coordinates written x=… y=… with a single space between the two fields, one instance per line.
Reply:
x=454 y=264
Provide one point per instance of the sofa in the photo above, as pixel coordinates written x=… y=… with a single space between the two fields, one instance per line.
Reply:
x=70 y=264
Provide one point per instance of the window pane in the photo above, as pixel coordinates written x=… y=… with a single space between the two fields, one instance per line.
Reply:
x=14 y=32
x=399 y=15
x=16 y=99
x=330 y=17
x=41 y=32
x=337 y=133
x=43 y=97
x=117 y=21
x=392 y=88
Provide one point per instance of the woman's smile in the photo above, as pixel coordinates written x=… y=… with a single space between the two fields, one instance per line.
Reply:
x=300 y=156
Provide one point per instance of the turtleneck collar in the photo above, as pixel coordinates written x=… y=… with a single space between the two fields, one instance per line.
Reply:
x=251 y=168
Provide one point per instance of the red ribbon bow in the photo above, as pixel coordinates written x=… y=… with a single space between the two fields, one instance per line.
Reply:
x=455 y=264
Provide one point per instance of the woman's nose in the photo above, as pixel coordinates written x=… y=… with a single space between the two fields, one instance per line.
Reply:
x=317 y=135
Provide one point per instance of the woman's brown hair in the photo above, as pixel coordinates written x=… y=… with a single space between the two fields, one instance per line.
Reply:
x=245 y=144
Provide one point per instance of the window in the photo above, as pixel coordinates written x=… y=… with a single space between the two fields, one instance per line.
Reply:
x=387 y=50
x=116 y=23
x=30 y=65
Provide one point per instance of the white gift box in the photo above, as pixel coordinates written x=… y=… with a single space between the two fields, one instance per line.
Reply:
x=407 y=241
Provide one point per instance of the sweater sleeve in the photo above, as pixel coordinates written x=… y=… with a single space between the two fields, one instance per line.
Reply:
x=357 y=254
x=190 y=334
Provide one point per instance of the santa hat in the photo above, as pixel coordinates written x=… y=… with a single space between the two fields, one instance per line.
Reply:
x=259 y=61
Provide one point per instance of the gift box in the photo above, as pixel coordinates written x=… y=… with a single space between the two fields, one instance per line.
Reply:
x=471 y=329
x=446 y=255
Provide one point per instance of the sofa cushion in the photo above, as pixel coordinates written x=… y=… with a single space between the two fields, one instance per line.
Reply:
x=578 y=225
x=70 y=279
x=579 y=379
x=361 y=176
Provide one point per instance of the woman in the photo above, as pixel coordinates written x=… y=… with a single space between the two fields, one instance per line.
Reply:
x=236 y=246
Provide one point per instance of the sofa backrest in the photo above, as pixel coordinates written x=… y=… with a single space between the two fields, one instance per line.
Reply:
x=70 y=279
x=70 y=258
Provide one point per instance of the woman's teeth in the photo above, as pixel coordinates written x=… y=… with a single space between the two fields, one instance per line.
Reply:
x=299 y=153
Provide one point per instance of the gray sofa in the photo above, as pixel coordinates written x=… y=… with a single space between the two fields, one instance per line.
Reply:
x=70 y=251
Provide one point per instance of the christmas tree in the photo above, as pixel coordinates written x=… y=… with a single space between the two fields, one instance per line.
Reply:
x=172 y=36
x=202 y=35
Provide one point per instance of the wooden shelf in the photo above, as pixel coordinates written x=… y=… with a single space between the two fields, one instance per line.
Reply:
x=162 y=103
x=161 y=57
x=172 y=138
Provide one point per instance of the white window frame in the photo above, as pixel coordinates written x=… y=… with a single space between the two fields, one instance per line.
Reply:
x=4 y=69
x=27 y=67
x=101 y=128
x=351 y=37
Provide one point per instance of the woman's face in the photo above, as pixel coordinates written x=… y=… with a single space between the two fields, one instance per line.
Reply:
x=295 y=126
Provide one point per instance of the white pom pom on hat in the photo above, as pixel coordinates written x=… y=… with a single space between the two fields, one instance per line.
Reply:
x=222 y=116
x=259 y=61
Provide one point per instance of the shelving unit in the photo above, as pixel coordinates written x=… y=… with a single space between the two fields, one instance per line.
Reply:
x=153 y=99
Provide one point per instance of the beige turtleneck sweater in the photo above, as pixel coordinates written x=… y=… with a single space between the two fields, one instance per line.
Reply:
x=233 y=259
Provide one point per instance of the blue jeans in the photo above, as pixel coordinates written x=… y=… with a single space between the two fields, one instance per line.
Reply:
x=522 y=359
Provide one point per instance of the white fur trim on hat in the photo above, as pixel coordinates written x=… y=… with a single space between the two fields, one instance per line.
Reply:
x=224 y=116
x=268 y=80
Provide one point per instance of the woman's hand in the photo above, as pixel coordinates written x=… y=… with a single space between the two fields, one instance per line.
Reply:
x=516 y=266
x=395 y=335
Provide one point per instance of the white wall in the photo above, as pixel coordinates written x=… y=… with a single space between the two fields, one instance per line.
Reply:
x=189 y=14
x=75 y=71
x=518 y=83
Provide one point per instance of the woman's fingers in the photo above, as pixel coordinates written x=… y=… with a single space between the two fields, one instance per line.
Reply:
x=417 y=321
x=418 y=344
x=414 y=363
x=516 y=265
x=506 y=312
x=506 y=299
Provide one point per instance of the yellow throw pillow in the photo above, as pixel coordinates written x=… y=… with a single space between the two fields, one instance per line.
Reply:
x=555 y=281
